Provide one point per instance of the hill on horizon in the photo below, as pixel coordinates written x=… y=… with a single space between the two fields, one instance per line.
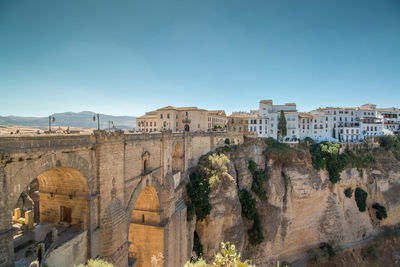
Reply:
x=83 y=119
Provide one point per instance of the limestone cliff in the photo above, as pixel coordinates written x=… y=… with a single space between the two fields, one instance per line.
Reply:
x=303 y=208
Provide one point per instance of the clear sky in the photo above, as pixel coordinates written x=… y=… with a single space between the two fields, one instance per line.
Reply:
x=128 y=57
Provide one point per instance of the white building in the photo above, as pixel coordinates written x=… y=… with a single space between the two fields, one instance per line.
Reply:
x=344 y=124
x=272 y=113
x=391 y=120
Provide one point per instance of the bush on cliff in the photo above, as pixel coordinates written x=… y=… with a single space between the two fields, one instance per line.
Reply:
x=348 y=192
x=208 y=173
x=248 y=204
x=361 y=199
x=212 y=166
x=259 y=178
x=390 y=142
x=198 y=189
x=250 y=212
x=227 y=257
x=325 y=155
x=255 y=233
x=380 y=211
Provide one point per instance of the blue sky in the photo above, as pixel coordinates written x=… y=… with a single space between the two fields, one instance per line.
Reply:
x=128 y=57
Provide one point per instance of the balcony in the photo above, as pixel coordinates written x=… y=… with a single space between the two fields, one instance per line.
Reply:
x=186 y=120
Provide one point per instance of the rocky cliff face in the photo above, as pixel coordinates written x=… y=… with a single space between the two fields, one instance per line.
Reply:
x=303 y=208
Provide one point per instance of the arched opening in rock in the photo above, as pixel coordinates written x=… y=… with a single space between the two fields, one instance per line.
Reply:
x=52 y=210
x=146 y=235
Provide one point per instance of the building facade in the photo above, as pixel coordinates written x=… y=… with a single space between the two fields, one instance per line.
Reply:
x=176 y=119
x=343 y=124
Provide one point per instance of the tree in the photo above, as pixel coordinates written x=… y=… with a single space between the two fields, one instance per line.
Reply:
x=282 y=130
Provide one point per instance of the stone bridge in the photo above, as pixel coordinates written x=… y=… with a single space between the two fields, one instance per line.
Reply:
x=123 y=192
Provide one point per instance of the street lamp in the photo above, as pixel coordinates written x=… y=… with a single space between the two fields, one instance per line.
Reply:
x=98 y=120
x=51 y=119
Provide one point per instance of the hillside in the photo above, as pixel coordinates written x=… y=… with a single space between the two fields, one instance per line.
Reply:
x=82 y=119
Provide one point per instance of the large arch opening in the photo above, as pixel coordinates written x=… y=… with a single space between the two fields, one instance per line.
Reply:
x=146 y=235
x=51 y=210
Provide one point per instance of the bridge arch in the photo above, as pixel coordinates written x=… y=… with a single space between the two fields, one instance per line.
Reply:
x=62 y=198
x=33 y=168
x=145 y=227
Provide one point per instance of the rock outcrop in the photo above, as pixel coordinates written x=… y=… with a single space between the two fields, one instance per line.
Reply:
x=303 y=208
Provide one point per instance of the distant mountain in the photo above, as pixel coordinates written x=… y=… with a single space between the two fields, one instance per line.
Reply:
x=82 y=119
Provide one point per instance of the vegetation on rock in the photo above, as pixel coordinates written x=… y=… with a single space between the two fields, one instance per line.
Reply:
x=207 y=175
x=380 y=211
x=227 y=257
x=250 y=212
x=259 y=178
x=198 y=189
x=361 y=199
x=321 y=254
x=326 y=155
x=248 y=204
x=348 y=192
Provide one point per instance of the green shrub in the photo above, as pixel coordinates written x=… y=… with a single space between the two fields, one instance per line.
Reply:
x=227 y=141
x=328 y=248
x=248 y=204
x=361 y=199
x=198 y=189
x=321 y=254
x=259 y=178
x=390 y=142
x=255 y=233
x=249 y=210
x=373 y=252
x=325 y=155
x=197 y=246
x=348 y=192
x=380 y=211
x=252 y=166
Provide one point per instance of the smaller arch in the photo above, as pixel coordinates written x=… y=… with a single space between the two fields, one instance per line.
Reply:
x=187 y=128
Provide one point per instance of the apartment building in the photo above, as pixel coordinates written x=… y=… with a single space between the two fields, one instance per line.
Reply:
x=176 y=119
x=216 y=120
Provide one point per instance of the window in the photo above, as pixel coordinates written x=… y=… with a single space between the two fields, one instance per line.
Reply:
x=161 y=116
x=260 y=121
x=147 y=123
x=187 y=114
x=168 y=116
x=266 y=121
x=65 y=214
x=151 y=123
x=155 y=124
